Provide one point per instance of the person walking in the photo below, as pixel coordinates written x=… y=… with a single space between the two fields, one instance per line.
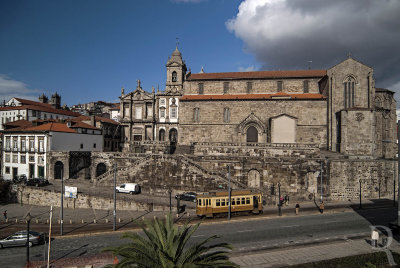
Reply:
x=297 y=209
x=321 y=207
x=287 y=200
x=375 y=238
x=5 y=215
x=281 y=200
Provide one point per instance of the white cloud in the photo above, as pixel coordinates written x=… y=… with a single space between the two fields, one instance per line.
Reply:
x=287 y=34
x=247 y=69
x=12 y=88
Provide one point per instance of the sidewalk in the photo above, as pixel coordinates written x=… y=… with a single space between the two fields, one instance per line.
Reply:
x=306 y=254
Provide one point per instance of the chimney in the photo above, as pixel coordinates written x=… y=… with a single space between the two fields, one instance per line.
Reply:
x=93 y=120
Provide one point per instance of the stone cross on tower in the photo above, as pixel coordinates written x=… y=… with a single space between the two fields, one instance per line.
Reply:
x=177 y=42
x=349 y=55
x=138 y=83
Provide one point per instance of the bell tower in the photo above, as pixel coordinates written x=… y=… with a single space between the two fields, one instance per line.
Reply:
x=176 y=70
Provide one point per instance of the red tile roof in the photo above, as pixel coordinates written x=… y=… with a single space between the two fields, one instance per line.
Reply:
x=302 y=96
x=30 y=102
x=97 y=118
x=259 y=74
x=19 y=123
x=40 y=108
x=56 y=127
x=81 y=124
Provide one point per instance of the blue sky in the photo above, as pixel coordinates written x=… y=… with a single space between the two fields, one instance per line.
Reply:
x=87 y=50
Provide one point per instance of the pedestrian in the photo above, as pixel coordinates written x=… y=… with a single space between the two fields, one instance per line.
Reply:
x=297 y=209
x=321 y=207
x=375 y=238
x=287 y=204
x=281 y=200
x=5 y=215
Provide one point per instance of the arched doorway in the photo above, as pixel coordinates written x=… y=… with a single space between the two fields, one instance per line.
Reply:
x=253 y=179
x=100 y=169
x=173 y=135
x=251 y=134
x=161 y=135
x=58 y=170
x=173 y=139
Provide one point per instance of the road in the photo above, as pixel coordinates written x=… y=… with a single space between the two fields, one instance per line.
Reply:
x=246 y=234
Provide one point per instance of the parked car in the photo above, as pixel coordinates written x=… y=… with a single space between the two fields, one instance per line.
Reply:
x=129 y=188
x=37 y=182
x=20 y=179
x=187 y=196
x=19 y=239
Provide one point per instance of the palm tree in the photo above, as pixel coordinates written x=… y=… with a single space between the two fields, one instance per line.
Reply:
x=163 y=245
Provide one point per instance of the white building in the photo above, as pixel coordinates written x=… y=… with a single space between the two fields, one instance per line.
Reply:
x=25 y=151
x=21 y=109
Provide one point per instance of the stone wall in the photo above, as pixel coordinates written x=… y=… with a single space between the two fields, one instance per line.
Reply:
x=264 y=86
x=44 y=197
x=310 y=116
x=377 y=176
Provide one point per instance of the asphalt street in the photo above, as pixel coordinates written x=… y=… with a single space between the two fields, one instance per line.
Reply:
x=246 y=234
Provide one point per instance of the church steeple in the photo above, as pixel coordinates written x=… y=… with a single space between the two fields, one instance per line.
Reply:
x=176 y=70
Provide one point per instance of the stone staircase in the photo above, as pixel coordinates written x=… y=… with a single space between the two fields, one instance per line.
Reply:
x=217 y=176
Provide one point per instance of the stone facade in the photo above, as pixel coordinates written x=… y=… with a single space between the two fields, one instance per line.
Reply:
x=313 y=132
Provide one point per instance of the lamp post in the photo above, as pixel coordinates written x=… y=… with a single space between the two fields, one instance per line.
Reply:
x=361 y=181
x=279 y=196
x=394 y=193
x=321 y=182
x=170 y=200
x=62 y=202
x=28 y=221
x=115 y=198
x=229 y=192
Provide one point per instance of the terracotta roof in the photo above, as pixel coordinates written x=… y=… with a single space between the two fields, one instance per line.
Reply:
x=19 y=123
x=280 y=95
x=83 y=125
x=56 y=127
x=40 y=108
x=259 y=74
x=97 y=118
x=30 y=102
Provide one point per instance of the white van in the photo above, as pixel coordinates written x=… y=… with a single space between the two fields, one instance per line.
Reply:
x=129 y=188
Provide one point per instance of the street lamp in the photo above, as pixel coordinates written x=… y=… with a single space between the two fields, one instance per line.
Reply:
x=28 y=221
x=361 y=181
x=279 y=196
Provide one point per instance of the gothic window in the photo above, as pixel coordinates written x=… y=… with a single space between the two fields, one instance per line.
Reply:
x=349 y=92
x=227 y=115
x=305 y=86
x=249 y=87
x=280 y=86
x=201 y=88
x=226 y=87
x=174 y=76
x=252 y=134
x=196 y=115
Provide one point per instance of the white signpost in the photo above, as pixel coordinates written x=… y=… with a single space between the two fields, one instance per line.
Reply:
x=71 y=192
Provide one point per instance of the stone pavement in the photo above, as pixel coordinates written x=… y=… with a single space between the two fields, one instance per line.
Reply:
x=306 y=254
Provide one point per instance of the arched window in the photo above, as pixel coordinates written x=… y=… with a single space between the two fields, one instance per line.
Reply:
x=174 y=76
x=349 y=92
x=227 y=115
x=252 y=134
x=173 y=135
x=161 y=135
x=100 y=169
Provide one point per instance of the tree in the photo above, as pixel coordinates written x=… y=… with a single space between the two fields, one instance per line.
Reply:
x=165 y=245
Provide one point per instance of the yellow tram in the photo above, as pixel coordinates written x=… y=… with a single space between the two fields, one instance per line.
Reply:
x=217 y=202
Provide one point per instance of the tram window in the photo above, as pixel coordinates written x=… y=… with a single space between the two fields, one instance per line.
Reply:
x=217 y=203
x=243 y=202
x=222 y=202
x=233 y=202
x=247 y=200
x=209 y=202
x=200 y=202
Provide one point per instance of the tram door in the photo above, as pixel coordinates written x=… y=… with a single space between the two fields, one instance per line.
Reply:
x=255 y=202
